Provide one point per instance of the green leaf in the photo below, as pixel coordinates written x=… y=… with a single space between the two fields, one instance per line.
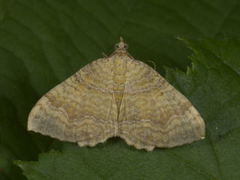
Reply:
x=213 y=86
x=44 y=42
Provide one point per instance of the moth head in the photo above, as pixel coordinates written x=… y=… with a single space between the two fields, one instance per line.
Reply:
x=121 y=45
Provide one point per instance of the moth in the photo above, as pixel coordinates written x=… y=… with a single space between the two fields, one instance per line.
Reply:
x=117 y=96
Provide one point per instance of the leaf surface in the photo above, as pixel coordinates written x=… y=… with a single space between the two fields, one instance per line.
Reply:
x=213 y=86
